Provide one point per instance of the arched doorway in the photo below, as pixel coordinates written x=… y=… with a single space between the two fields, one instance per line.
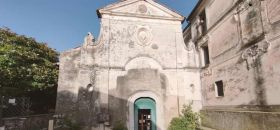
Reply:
x=145 y=114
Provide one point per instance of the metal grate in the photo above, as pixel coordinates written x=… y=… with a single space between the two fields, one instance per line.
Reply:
x=15 y=106
x=35 y=122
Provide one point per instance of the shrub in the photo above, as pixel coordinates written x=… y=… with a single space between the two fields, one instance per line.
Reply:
x=119 y=126
x=70 y=125
x=188 y=120
x=67 y=124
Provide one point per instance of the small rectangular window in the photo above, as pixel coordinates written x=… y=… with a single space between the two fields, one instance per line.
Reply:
x=219 y=87
x=206 y=55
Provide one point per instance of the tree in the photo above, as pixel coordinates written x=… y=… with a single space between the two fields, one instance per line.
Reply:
x=26 y=66
x=189 y=120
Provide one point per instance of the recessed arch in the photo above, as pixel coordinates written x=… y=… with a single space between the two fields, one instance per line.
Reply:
x=159 y=109
x=143 y=63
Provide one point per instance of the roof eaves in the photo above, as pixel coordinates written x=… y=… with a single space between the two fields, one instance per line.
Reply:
x=98 y=10
x=194 y=9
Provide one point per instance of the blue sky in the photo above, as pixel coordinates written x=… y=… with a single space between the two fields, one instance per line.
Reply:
x=62 y=24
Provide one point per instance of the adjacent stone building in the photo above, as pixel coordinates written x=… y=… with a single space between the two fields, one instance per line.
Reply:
x=138 y=72
x=238 y=44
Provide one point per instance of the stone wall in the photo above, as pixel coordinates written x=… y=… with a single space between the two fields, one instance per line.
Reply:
x=232 y=120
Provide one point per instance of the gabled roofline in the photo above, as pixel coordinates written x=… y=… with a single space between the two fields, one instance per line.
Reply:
x=172 y=10
x=176 y=15
x=98 y=10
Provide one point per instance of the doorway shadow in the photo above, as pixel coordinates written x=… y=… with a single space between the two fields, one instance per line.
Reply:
x=86 y=111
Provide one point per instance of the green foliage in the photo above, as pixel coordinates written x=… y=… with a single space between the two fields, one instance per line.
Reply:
x=67 y=124
x=189 y=120
x=25 y=64
x=70 y=125
x=119 y=126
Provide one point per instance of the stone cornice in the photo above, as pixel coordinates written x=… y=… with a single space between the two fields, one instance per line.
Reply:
x=142 y=16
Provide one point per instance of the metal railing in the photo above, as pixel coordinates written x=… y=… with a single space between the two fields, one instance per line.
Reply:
x=34 y=122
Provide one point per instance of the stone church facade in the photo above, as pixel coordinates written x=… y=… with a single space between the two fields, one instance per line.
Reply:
x=238 y=44
x=138 y=72
x=142 y=69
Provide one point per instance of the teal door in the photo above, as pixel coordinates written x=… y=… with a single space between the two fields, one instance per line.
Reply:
x=145 y=114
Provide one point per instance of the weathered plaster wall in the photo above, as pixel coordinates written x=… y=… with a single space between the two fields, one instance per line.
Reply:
x=272 y=7
x=216 y=9
x=223 y=39
x=244 y=54
x=238 y=49
x=237 y=84
x=243 y=40
x=270 y=62
x=68 y=73
x=160 y=47
x=132 y=82
x=271 y=73
x=170 y=86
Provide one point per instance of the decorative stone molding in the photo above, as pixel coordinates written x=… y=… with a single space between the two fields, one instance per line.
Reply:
x=144 y=35
x=142 y=9
x=89 y=40
x=199 y=26
x=93 y=76
x=143 y=62
x=203 y=40
x=251 y=54
x=206 y=72
x=190 y=46
x=250 y=21
x=243 y=6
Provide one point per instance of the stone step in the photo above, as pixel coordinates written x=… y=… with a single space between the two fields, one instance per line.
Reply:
x=206 y=128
